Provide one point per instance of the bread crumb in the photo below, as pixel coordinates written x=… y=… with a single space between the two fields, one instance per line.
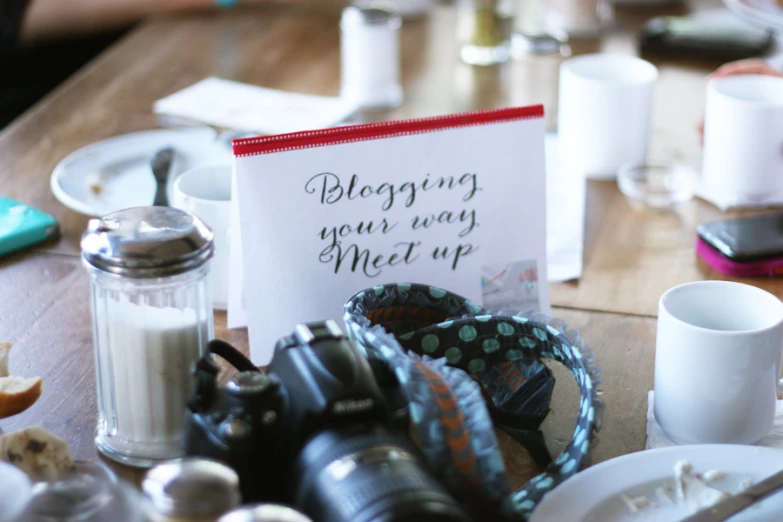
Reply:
x=663 y=494
x=636 y=503
x=713 y=475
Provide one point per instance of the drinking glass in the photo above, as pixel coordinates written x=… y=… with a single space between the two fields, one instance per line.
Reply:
x=89 y=493
x=484 y=30
x=531 y=35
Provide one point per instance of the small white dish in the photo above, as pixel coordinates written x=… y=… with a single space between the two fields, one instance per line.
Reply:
x=594 y=495
x=656 y=186
x=115 y=173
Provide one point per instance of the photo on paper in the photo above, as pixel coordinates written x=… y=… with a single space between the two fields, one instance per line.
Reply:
x=510 y=287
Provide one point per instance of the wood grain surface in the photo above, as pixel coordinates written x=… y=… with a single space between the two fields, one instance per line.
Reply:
x=631 y=257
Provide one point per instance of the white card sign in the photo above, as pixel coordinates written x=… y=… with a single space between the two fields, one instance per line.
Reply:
x=456 y=202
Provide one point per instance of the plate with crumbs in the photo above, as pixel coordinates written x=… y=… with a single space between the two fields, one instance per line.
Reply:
x=649 y=486
x=115 y=173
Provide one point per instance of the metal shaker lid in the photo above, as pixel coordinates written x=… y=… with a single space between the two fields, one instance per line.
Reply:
x=264 y=513
x=370 y=13
x=191 y=487
x=147 y=242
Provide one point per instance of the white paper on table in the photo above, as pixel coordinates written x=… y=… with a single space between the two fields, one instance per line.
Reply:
x=251 y=108
x=282 y=223
x=237 y=314
x=732 y=201
x=565 y=217
x=657 y=438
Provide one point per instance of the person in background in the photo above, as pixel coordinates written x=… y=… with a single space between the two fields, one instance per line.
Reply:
x=42 y=42
x=749 y=66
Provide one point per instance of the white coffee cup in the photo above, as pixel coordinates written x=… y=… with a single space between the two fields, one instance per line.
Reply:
x=604 y=112
x=206 y=192
x=717 y=362
x=743 y=137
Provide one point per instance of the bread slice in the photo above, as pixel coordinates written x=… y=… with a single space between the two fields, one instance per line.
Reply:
x=5 y=349
x=17 y=394
x=37 y=452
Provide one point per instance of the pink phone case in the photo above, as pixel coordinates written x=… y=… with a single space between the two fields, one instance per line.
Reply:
x=772 y=267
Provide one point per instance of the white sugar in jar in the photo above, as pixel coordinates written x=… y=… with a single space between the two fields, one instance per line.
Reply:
x=370 y=57
x=152 y=318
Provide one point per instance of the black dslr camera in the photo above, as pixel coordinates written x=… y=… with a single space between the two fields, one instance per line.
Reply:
x=322 y=431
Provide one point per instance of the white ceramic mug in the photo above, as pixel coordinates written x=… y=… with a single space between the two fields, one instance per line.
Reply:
x=604 y=112
x=206 y=192
x=717 y=362
x=743 y=137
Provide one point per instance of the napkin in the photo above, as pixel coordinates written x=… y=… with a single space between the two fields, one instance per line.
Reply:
x=565 y=216
x=732 y=201
x=656 y=438
x=250 y=108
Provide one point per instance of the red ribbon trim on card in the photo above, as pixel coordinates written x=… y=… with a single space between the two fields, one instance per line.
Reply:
x=374 y=131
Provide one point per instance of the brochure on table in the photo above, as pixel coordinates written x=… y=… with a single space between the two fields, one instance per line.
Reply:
x=457 y=202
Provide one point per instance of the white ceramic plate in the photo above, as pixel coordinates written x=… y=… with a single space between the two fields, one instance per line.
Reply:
x=115 y=173
x=15 y=492
x=762 y=13
x=594 y=494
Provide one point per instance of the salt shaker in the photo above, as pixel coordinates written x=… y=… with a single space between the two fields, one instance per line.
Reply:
x=151 y=318
x=370 y=56
x=190 y=490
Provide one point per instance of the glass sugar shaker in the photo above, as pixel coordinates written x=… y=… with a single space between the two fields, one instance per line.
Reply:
x=152 y=318
x=370 y=56
x=190 y=490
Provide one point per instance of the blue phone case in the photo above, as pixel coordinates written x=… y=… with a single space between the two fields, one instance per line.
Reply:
x=22 y=226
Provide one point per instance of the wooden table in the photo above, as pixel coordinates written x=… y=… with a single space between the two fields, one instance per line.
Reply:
x=631 y=257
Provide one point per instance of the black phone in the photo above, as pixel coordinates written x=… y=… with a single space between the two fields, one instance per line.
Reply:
x=746 y=239
x=717 y=39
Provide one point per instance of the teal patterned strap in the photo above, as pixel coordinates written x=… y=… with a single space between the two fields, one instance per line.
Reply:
x=436 y=342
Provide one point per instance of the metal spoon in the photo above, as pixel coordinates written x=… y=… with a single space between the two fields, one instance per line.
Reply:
x=161 y=167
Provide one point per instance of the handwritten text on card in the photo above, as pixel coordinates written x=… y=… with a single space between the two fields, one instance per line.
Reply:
x=341 y=242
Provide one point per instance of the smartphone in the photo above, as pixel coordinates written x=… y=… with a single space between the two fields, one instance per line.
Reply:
x=22 y=226
x=705 y=37
x=746 y=239
x=765 y=267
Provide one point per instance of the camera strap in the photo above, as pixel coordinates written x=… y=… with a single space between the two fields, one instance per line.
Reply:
x=463 y=367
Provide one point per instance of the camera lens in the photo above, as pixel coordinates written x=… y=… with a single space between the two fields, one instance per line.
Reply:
x=367 y=474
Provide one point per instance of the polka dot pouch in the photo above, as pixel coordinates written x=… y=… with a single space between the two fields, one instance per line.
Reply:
x=462 y=369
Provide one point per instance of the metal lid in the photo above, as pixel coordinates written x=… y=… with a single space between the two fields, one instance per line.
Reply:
x=191 y=487
x=371 y=13
x=147 y=242
x=264 y=513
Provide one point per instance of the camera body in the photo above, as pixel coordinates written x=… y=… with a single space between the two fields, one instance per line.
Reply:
x=323 y=430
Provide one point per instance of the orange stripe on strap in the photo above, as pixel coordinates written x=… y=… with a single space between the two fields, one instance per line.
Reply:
x=465 y=466
x=459 y=444
x=453 y=423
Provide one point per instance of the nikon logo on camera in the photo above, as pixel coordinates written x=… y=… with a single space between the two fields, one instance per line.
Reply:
x=352 y=406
